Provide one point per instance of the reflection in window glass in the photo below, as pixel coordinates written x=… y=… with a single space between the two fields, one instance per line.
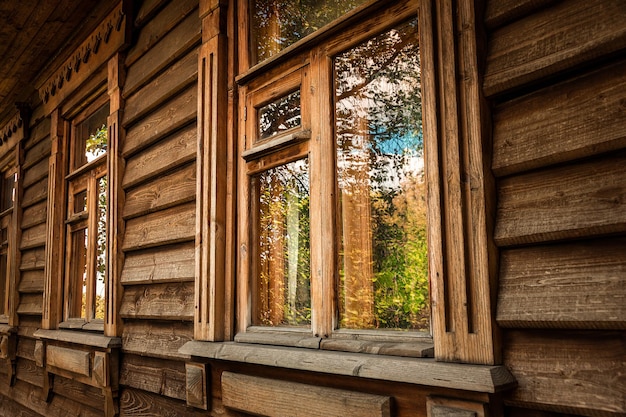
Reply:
x=283 y=245
x=78 y=273
x=8 y=191
x=91 y=137
x=383 y=260
x=101 y=249
x=278 y=24
x=280 y=115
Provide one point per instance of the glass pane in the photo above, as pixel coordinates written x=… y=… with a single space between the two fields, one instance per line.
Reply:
x=80 y=202
x=283 y=245
x=383 y=260
x=8 y=192
x=279 y=115
x=277 y=24
x=78 y=274
x=101 y=252
x=91 y=137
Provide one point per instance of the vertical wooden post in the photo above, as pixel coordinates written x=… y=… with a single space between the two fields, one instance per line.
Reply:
x=115 y=222
x=463 y=258
x=55 y=226
x=212 y=176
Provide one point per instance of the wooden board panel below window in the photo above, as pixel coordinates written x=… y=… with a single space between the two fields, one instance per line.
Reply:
x=134 y=402
x=160 y=339
x=173 y=301
x=163 y=377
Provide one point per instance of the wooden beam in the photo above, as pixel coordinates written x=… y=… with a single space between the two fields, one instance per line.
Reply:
x=462 y=256
x=271 y=397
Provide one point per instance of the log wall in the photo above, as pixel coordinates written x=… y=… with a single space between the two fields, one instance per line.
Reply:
x=555 y=74
x=159 y=182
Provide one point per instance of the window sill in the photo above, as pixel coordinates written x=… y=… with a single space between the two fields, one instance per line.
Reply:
x=422 y=371
x=79 y=338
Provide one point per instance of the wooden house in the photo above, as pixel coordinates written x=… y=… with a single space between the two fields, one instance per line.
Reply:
x=212 y=207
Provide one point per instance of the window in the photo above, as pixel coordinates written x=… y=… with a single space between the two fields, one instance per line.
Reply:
x=86 y=214
x=332 y=207
x=8 y=177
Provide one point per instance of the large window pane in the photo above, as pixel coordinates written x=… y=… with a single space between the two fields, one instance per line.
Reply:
x=278 y=24
x=383 y=260
x=91 y=137
x=283 y=262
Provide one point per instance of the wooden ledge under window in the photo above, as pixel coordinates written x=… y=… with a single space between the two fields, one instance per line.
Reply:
x=80 y=338
x=419 y=371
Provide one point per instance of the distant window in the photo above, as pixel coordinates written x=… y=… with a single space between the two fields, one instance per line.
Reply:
x=87 y=203
x=7 y=197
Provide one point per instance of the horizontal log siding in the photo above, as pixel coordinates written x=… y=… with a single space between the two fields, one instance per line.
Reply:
x=556 y=72
x=159 y=211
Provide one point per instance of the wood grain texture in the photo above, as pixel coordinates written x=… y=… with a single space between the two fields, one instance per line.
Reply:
x=136 y=402
x=77 y=361
x=158 y=339
x=270 y=397
x=581 y=117
x=166 y=378
x=30 y=304
x=196 y=385
x=33 y=237
x=164 y=192
x=35 y=193
x=579 y=373
x=34 y=215
x=174 y=79
x=158 y=25
x=583 y=200
x=169 y=226
x=427 y=372
x=35 y=173
x=172 y=46
x=33 y=259
x=171 y=152
x=560 y=37
x=500 y=12
x=164 y=121
x=163 y=264
x=31 y=281
x=575 y=285
x=174 y=301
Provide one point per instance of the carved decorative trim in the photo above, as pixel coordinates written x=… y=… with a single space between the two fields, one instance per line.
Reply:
x=8 y=349
x=17 y=126
x=110 y=36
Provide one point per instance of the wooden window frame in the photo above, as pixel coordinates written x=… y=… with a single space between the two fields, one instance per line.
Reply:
x=463 y=259
x=8 y=247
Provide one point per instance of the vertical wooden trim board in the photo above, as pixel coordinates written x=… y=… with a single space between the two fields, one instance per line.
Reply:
x=461 y=263
x=211 y=188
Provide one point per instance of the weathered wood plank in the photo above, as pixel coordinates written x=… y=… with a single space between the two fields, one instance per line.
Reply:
x=270 y=397
x=580 y=373
x=12 y=408
x=581 y=117
x=582 y=200
x=173 y=115
x=30 y=396
x=163 y=264
x=158 y=26
x=175 y=44
x=568 y=34
x=136 y=402
x=35 y=193
x=174 y=79
x=147 y=10
x=478 y=378
x=158 y=376
x=164 y=227
x=33 y=237
x=33 y=259
x=81 y=393
x=166 y=191
x=26 y=349
x=28 y=371
x=28 y=326
x=35 y=173
x=172 y=301
x=156 y=339
x=500 y=12
x=39 y=131
x=31 y=281
x=163 y=156
x=72 y=360
x=34 y=215
x=30 y=304
x=39 y=152
x=578 y=285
